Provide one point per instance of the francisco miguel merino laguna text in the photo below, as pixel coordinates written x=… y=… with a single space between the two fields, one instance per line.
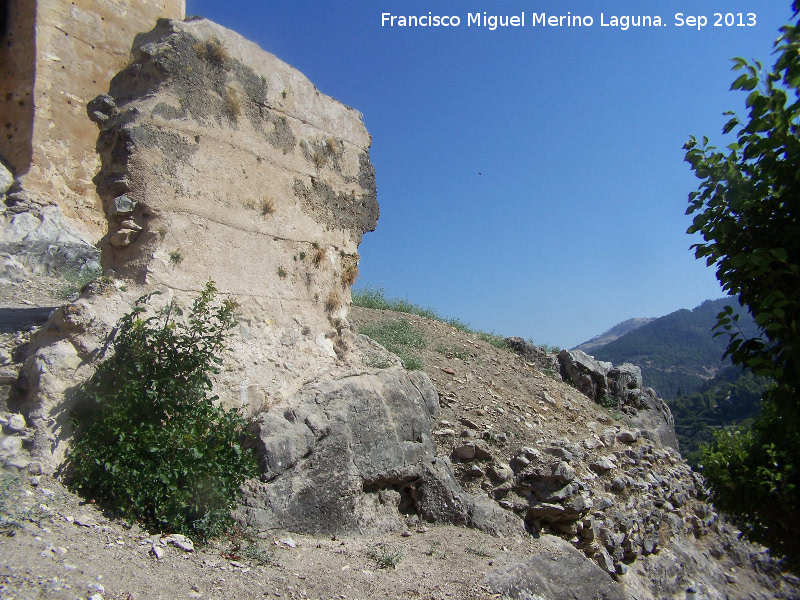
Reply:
x=492 y=22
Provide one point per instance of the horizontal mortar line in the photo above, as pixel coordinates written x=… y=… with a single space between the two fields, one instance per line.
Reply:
x=224 y=224
x=296 y=118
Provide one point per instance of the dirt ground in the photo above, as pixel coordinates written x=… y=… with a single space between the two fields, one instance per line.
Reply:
x=56 y=545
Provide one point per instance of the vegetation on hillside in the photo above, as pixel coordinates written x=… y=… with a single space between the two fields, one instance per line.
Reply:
x=677 y=352
x=731 y=398
x=151 y=444
x=747 y=210
x=375 y=297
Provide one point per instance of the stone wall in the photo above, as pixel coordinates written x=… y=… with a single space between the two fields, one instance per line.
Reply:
x=219 y=162
x=54 y=57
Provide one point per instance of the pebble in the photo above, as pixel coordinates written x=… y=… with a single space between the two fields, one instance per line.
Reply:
x=157 y=552
x=85 y=521
x=179 y=541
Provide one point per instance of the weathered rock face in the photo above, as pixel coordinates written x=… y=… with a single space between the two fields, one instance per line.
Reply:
x=216 y=153
x=560 y=574
x=219 y=162
x=604 y=383
x=55 y=56
x=355 y=455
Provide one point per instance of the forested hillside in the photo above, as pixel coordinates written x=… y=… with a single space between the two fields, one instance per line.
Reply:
x=678 y=353
x=732 y=397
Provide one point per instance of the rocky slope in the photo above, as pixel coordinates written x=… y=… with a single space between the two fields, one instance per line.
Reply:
x=515 y=435
x=216 y=154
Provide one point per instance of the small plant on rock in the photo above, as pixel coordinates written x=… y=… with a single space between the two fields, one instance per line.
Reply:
x=214 y=51
x=175 y=257
x=319 y=255
x=151 y=443
x=333 y=302
x=349 y=275
x=267 y=206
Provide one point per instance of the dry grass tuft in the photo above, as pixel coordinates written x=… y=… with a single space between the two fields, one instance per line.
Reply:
x=267 y=206
x=319 y=159
x=319 y=256
x=214 y=51
x=331 y=146
x=349 y=275
x=233 y=106
x=333 y=302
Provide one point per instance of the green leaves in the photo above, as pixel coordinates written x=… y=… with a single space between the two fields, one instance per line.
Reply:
x=747 y=209
x=152 y=445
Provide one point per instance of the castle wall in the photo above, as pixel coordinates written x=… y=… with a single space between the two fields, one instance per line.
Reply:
x=55 y=57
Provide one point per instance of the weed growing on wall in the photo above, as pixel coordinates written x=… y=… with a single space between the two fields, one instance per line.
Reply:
x=151 y=444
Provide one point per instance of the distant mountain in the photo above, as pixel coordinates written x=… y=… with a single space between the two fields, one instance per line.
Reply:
x=678 y=352
x=617 y=331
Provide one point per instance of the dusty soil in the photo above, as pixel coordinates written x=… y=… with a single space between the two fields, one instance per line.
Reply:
x=53 y=556
x=56 y=545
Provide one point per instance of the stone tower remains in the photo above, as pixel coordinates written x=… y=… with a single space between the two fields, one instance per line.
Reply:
x=55 y=56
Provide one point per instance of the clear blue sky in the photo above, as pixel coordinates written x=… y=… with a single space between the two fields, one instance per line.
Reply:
x=577 y=219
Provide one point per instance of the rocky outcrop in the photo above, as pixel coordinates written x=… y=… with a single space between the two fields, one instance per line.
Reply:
x=36 y=238
x=357 y=455
x=620 y=387
x=218 y=162
x=557 y=572
x=214 y=153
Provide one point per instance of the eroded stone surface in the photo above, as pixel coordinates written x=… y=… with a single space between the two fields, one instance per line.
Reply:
x=355 y=455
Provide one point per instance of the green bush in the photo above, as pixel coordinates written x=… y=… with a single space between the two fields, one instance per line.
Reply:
x=151 y=444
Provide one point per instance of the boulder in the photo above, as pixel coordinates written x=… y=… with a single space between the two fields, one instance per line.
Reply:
x=6 y=178
x=585 y=373
x=601 y=382
x=330 y=453
x=555 y=571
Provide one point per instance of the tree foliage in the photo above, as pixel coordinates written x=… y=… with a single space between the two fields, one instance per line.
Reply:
x=151 y=444
x=747 y=210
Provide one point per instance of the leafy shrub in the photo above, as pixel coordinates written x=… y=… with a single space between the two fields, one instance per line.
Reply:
x=75 y=281
x=151 y=444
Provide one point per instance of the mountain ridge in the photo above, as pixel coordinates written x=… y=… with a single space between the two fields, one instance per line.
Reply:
x=678 y=351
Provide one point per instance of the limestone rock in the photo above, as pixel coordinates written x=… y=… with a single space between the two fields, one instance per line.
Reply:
x=560 y=574
x=6 y=179
x=586 y=373
x=239 y=161
x=601 y=381
x=39 y=240
x=333 y=450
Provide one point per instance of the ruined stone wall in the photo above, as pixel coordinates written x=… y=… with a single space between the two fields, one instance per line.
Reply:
x=219 y=162
x=54 y=57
